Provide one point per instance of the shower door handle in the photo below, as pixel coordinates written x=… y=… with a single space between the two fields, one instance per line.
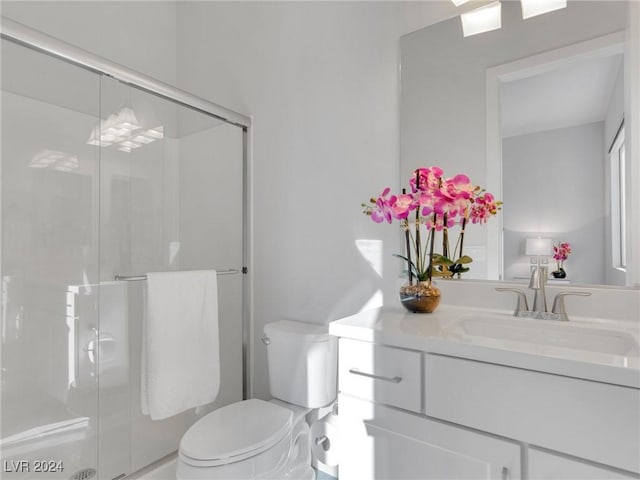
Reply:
x=95 y=347
x=90 y=349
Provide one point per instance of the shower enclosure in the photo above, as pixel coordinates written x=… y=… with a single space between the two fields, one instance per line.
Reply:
x=105 y=173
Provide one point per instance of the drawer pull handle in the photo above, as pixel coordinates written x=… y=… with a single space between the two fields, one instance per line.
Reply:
x=355 y=371
x=505 y=473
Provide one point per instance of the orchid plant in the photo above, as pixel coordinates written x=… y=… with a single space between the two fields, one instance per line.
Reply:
x=561 y=252
x=436 y=204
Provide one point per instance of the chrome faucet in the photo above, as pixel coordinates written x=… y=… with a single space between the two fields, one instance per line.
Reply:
x=539 y=311
x=537 y=283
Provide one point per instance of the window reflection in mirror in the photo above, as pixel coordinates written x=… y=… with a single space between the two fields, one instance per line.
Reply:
x=618 y=202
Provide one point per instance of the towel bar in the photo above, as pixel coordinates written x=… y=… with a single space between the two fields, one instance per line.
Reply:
x=132 y=278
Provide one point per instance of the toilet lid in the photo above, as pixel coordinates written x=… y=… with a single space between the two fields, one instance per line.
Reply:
x=235 y=432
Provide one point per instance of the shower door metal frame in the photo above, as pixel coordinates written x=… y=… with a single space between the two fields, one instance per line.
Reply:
x=36 y=40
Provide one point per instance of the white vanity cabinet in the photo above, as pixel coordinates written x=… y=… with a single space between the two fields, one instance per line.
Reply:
x=385 y=435
x=411 y=414
x=381 y=442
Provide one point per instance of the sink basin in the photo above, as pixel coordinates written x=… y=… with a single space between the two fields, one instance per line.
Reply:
x=549 y=334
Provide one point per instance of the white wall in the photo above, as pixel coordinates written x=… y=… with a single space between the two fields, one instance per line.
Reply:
x=545 y=194
x=321 y=82
x=138 y=34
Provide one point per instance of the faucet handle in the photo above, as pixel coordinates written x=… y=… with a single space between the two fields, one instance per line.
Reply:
x=558 y=303
x=522 y=307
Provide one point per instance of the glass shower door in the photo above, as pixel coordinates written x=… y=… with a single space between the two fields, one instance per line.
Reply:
x=171 y=198
x=49 y=262
x=99 y=179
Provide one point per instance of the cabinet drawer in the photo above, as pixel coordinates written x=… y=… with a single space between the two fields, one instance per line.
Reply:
x=380 y=374
x=550 y=466
x=550 y=411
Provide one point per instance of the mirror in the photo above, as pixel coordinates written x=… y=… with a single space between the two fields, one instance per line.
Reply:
x=530 y=112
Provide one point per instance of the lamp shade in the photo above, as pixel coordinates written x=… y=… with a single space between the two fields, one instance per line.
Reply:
x=538 y=246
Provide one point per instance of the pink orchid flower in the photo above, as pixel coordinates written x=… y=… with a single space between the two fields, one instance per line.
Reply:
x=382 y=210
x=428 y=179
x=561 y=251
x=453 y=197
x=427 y=202
x=439 y=204
x=483 y=208
x=402 y=206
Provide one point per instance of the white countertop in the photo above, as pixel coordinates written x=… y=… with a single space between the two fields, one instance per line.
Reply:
x=441 y=333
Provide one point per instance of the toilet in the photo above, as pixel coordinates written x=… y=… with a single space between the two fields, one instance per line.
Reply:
x=257 y=439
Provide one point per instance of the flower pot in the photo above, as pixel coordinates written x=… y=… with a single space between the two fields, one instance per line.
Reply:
x=421 y=297
x=560 y=273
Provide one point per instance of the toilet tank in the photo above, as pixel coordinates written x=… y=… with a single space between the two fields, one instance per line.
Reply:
x=303 y=362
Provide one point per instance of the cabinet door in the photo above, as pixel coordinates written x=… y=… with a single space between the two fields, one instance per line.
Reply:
x=380 y=442
x=549 y=466
x=561 y=414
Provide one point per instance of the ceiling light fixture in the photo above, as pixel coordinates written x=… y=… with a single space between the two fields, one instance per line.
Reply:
x=531 y=8
x=483 y=19
x=489 y=17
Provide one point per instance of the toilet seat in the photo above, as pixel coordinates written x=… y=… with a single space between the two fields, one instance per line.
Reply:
x=235 y=432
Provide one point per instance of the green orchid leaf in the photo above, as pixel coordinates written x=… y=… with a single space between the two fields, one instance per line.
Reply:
x=441 y=260
x=414 y=269
x=464 y=259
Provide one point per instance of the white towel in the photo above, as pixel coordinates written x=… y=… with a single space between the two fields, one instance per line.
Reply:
x=180 y=347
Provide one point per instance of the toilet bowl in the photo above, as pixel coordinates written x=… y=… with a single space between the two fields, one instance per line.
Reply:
x=248 y=439
x=256 y=439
